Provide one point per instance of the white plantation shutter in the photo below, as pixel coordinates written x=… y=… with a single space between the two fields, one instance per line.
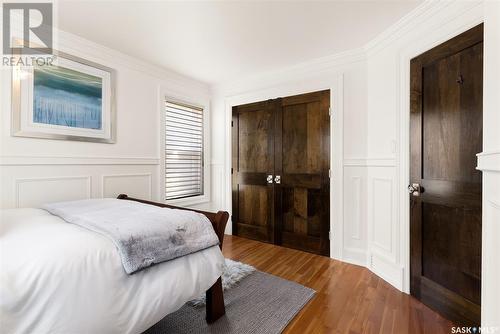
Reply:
x=183 y=151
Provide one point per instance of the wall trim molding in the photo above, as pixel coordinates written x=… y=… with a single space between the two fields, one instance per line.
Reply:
x=370 y=162
x=488 y=161
x=487 y=153
x=69 y=160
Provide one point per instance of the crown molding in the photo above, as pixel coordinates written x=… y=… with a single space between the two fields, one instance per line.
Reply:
x=69 y=41
x=416 y=18
x=333 y=63
x=406 y=23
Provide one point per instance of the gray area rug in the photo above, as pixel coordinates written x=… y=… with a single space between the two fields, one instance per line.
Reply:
x=232 y=274
x=259 y=304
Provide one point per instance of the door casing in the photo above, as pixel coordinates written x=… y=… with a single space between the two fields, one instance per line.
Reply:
x=472 y=18
x=470 y=42
x=336 y=86
x=302 y=164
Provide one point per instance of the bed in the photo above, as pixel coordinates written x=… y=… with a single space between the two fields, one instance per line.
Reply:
x=57 y=277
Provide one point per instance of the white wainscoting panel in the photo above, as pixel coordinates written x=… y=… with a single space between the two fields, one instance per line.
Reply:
x=354 y=243
x=383 y=224
x=381 y=214
x=134 y=185
x=356 y=203
x=491 y=260
x=33 y=192
x=27 y=185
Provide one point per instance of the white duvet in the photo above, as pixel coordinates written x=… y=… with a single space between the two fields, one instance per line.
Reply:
x=57 y=277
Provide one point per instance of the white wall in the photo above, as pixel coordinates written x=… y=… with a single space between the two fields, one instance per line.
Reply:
x=489 y=164
x=33 y=171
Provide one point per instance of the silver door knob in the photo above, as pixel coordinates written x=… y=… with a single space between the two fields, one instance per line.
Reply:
x=414 y=189
x=277 y=179
x=269 y=179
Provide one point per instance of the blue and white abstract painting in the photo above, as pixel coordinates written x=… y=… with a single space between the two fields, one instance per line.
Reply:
x=66 y=97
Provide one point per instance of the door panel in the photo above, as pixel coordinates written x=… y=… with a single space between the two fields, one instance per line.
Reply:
x=255 y=132
x=303 y=194
x=452 y=128
x=253 y=208
x=446 y=135
x=301 y=138
x=253 y=160
x=454 y=265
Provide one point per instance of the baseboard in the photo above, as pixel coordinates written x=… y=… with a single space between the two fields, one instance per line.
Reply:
x=355 y=256
x=388 y=271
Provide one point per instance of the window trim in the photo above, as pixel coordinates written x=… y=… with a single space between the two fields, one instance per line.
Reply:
x=199 y=102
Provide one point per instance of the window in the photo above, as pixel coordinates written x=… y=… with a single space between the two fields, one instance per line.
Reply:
x=183 y=151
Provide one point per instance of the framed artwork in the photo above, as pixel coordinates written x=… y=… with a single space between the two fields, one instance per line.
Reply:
x=72 y=99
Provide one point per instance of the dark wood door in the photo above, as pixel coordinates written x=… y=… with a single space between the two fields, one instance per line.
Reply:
x=302 y=162
x=280 y=171
x=253 y=161
x=446 y=135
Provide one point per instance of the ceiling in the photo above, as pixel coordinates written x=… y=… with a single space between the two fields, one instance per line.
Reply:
x=217 y=42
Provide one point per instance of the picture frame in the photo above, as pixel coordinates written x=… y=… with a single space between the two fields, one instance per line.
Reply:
x=72 y=99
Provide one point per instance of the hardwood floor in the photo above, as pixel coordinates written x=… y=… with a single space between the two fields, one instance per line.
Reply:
x=350 y=299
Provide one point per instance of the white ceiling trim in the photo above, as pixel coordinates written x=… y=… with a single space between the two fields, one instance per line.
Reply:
x=77 y=45
x=332 y=64
x=417 y=16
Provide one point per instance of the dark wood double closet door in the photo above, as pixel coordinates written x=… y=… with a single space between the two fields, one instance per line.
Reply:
x=280 y=171
x=445 y=136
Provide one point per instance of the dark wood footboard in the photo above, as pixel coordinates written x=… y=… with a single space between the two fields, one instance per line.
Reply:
x=214 y=295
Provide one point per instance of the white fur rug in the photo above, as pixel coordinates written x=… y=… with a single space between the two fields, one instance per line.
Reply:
x=232 y=274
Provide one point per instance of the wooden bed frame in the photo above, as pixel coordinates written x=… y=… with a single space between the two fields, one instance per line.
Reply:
x=215 y=297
